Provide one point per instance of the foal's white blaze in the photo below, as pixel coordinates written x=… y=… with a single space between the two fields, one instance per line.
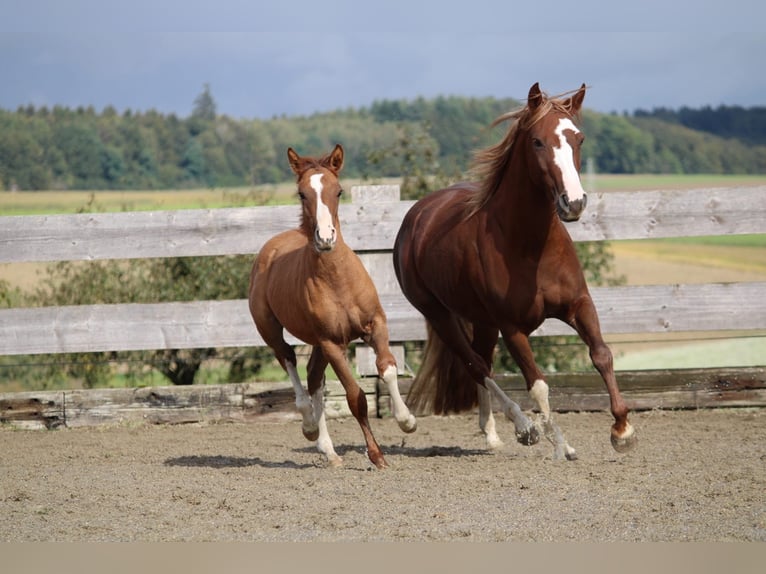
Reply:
x=564 y=158
x=325 y=229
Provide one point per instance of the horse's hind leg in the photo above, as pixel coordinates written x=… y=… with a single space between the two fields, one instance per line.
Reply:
x=356 y=399
x=387 y=371
x=316 y=380
x=484 y=341
x=452 y=333
x=518 y=345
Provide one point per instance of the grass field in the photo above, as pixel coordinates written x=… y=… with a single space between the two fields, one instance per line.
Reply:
x=59 y=202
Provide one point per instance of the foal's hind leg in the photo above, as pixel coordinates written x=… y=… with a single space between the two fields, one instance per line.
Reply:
x=387 y=371
x=518 y=345
x=316 y=380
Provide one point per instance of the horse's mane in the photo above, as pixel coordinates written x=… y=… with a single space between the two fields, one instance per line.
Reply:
x=489 y=164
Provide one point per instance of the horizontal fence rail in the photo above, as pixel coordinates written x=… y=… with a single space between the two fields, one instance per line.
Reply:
x=369 y=223
x=200 y=324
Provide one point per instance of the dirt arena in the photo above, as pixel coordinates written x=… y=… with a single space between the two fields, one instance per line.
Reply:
x=696 y=476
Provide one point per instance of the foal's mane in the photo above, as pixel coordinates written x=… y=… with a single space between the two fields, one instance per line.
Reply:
x=489 y=164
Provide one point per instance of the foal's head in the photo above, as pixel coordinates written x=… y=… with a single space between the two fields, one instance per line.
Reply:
x=319 y=191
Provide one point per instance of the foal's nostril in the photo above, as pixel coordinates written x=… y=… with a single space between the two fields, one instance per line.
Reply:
x=564 y=202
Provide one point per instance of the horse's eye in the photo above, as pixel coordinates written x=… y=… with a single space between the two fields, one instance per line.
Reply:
x=302 y=196
x=340 y=192
x=538 y=143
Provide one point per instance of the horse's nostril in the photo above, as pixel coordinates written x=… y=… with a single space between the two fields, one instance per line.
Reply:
x=564 y=202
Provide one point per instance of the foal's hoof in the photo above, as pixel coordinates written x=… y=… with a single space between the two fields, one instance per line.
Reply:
x=625 y=441
x=528 y=436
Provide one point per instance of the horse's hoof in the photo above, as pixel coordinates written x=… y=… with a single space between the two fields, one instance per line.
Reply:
x=528 y=436
x=380 y=463
x=410 y=425
x=625 y=441
x=311 y=434
x=571 y=455
x=335 y=461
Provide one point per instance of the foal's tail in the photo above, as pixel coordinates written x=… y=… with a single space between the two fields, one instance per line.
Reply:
x=442 y=385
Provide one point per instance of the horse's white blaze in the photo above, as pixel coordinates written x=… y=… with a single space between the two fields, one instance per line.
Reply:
x=325 y=228
x=564 y=159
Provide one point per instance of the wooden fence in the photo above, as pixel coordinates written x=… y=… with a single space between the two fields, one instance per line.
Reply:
x=369 y=222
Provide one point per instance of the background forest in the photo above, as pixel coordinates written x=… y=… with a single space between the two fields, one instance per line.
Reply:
x=62 y=148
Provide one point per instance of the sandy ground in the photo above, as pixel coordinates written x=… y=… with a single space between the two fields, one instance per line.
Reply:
x=696 y=476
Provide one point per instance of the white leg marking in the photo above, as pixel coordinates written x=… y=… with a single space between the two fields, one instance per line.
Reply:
x=406 y=420
x=564 y=158
x=302 y=400
x=487 y=420
x=561 y=449
x=324 y=443
x=512 y=410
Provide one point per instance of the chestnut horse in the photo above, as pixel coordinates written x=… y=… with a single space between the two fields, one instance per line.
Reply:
x=308 y=281
x=478 y=259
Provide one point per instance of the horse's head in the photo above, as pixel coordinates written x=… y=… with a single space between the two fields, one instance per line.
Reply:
x=319 y=191
x=554 y=143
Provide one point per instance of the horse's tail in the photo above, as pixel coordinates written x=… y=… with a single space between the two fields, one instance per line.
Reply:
x=442 y=384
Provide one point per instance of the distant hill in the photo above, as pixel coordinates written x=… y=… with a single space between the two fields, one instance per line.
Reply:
x=732 y=122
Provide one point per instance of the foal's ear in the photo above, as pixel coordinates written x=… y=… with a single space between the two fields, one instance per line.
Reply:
x=577 y=99
x=335 y=160
x=295 y=161
x=535 y=97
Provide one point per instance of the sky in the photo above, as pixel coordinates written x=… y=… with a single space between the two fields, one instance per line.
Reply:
x=296 y=57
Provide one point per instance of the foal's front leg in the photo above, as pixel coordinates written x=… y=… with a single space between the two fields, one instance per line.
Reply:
x=356 y=399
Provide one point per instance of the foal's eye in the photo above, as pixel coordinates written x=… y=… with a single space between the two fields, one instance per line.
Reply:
x=340 y=192
x=301 y=196
x=538 y=143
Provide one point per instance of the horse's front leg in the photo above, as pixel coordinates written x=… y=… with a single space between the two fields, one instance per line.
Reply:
x=356 y=399
x=521 y=351
x=316 y=380
x=387 y=372
x=585 y=321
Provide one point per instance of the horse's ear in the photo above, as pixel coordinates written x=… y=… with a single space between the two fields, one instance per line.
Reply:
x=295 y=161
x=535 y=96
x=577 y=99
x=335 y=161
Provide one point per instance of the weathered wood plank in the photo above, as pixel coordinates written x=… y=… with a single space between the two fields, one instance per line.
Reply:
x=200 y=324
x=653 y=214
x=366 y=226
x=644 y=390
x=168 y=405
